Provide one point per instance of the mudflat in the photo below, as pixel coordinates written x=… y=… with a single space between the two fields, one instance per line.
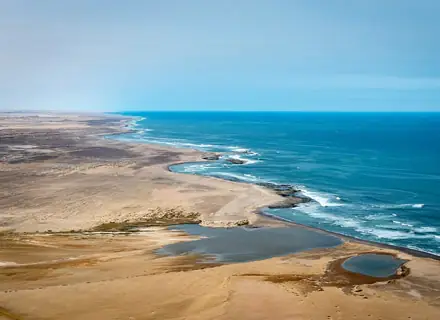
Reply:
x=82 y=218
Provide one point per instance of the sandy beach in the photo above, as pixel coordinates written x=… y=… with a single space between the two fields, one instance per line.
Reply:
x=68 y=197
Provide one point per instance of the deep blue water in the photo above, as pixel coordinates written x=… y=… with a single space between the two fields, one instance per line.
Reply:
x=374 y=176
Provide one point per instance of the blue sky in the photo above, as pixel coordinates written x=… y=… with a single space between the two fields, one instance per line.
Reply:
x=344 y=55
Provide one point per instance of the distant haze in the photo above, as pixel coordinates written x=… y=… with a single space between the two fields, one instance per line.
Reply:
x=107 y=55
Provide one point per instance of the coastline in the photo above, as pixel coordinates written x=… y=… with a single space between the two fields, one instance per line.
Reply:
x=356 y=190
x=412 y=252
x=260 y=211
x=253 y=214
x=276 y=219
x=90 y=181
x=90 y=153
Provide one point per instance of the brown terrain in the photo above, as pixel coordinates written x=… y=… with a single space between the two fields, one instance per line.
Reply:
x=69 y=200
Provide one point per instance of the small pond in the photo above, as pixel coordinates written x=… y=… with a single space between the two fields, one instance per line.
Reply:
x=373 y=265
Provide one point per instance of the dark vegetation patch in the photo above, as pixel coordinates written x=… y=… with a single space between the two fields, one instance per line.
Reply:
x=41 y=138
x=134 y=226
x=103 y=122
x=102 y=152
x=162 y=158
x=28 y=158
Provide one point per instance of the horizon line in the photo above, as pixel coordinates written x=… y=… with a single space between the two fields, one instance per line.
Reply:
x=282 y=111
x=216 y=110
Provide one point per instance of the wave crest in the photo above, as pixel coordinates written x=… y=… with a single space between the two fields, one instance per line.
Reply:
x=245 y=160
x=325 y=200
x=399 y=206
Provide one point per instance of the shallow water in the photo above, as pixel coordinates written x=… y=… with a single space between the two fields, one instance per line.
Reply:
x=373 y=176
x=248 y=244
x=373 y=265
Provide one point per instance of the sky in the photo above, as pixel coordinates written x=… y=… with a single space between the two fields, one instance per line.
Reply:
x=307 y=55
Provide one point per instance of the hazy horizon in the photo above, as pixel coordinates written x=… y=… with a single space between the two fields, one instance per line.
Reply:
x=316 y=55
x=73 y=111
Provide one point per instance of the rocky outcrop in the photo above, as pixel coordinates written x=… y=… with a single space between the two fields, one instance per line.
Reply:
x=211 y=156
x=288 y=203
x=235 y=161
x=153 y=217
x=225 y=224
x=287 y=191
x=284 y=190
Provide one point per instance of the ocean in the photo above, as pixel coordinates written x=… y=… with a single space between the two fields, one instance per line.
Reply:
x=372 y=176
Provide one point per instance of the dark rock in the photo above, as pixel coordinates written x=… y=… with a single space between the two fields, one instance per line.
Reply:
x=286 y=193
x=211 y=156
x=244 y=222
x=284 y=190
x=289 y=192
x=288 y=203
x=235 y=161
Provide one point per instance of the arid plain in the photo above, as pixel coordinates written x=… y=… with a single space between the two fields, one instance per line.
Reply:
x=69 y=199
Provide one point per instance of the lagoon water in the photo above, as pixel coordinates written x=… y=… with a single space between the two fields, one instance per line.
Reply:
x=242 y=244
x=373 y=176
x=373 y=265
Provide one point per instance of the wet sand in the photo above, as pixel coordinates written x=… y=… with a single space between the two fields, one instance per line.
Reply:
x=57 y=174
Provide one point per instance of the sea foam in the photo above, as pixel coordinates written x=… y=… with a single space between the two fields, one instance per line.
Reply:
x=399 y=206
x=315 y=211
x=245 y=160
x=325 y=200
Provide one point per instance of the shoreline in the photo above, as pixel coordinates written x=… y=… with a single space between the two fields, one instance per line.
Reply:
x=90 y=182
x=260 y=210
x=123 y=126
x=412 y=252
x=145 y=186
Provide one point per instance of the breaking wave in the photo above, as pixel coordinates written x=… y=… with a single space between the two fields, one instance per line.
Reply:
x=325 y=200
x=399 y=206
x=237 y=177
x=245 y=160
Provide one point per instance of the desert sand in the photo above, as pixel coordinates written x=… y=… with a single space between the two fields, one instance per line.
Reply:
x=65 y=193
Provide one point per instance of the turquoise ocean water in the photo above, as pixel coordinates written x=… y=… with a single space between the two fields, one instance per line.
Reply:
x=373 y=176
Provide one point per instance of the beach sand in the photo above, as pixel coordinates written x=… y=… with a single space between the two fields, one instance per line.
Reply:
x=58 y=176
x=60 y=183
